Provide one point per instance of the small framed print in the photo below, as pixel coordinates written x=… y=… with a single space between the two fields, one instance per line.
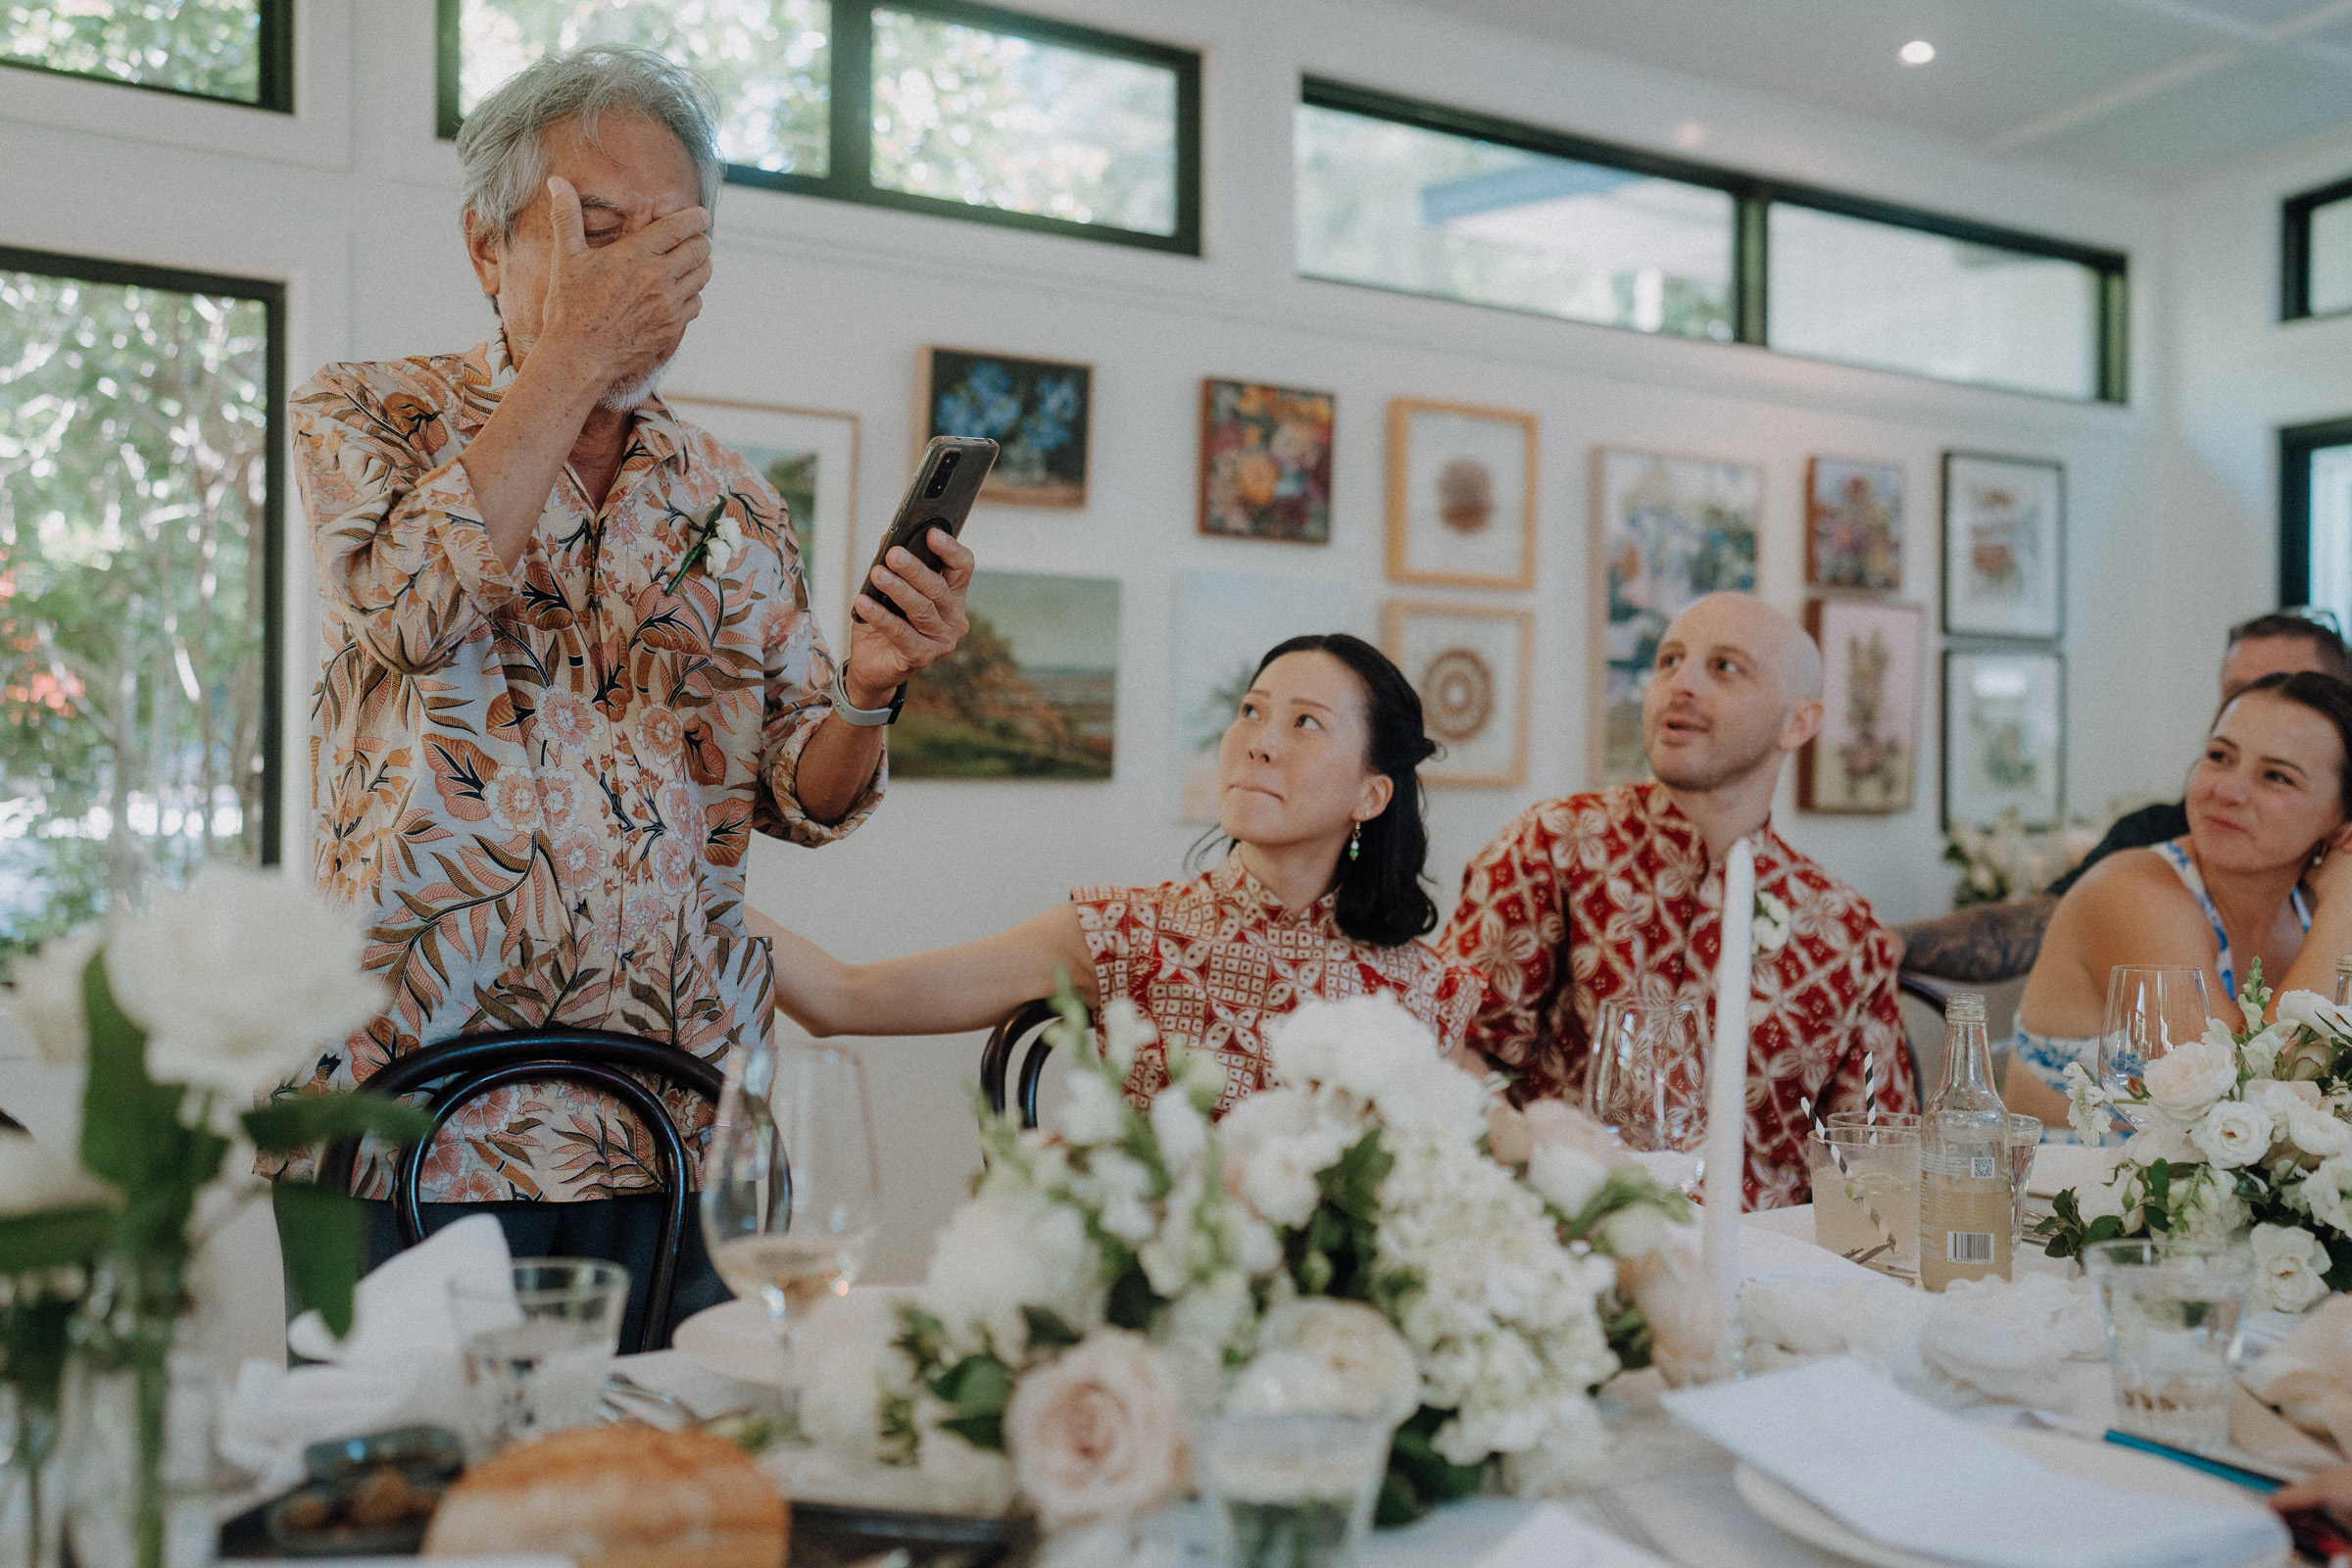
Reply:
x=1461 y=495
x=1472 y=667
x=810 y=459
x=1265 y=462
x=2005 y=547
x=2004 y=736
x=1865 y=761
x=1853 y=524
x=1037 y=412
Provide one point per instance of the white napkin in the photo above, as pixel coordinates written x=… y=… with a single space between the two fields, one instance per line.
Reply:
x=1904 y=1473
x=399 y=1365
x=1553 y=1536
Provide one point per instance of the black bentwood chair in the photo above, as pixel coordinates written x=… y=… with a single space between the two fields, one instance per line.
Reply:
x=1027 y=1022
x=456 y=1071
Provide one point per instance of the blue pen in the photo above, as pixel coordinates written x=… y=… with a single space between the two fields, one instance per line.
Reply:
x=2255 y=1480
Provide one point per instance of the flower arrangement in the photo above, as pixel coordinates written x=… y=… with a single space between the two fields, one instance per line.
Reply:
x=2009 y=860
x=182 y=1020
x=1372 y=1236
x=2243 y=1138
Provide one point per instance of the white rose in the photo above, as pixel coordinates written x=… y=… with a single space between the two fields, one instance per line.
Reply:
x=2323 y=1194
x=1280 y=1180
x=1092 y=1110
x=961 y=1478
x=34 y=1177
x=2187 y=1078
x=2313 y=1012
x=2233 y=1133
x=46 y=1004
x=1565 y=1174
x=1099 y=1433
x=1368 y=1368
x=239 y=979
x=1634 y=1229
x=1182 y=1131
x=2316 y=1132
x=1770 y=923
x=2288 y=1263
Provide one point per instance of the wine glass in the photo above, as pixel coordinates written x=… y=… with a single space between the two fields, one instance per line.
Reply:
x=791 y=1193
x=2150 y=1009
x=1648 y=1079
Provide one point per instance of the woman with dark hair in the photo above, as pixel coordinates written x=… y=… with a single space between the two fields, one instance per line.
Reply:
x=1320 y=894
x=2263 y=873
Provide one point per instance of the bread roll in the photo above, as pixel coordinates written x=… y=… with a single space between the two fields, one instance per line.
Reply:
x=612 y=1497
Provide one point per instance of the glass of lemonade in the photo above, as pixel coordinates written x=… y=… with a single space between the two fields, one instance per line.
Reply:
x=2172 y=1311
x=1866 y=1192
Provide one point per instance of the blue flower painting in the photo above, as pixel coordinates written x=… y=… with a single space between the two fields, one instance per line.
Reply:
x=1034 y=410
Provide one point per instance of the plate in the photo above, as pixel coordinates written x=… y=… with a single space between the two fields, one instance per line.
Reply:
x=2103 y=1462
x=736 y=1338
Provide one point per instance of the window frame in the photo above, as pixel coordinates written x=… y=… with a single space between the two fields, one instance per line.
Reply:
x=1752 y=197
x=849 y=153
x=2297 y=444
x=270 y=294
x=276 y=82
x=2294 y=256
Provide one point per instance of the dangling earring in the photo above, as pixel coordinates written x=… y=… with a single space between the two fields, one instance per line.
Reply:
x=1355 y=842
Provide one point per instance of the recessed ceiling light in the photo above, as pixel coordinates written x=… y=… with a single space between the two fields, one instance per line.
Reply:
x=1918 y=52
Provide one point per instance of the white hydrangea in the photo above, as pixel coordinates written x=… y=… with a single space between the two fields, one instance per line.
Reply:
x=1567 y=1175
x=1092 y=1111
x=1178 y=1125
x=1125 y=1031
x=998 y=1253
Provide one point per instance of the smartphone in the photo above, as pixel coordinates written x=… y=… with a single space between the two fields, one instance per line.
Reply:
x=941 y=494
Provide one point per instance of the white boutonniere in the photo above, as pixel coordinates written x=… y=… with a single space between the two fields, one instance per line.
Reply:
x=1770 y=923
x=716 y=542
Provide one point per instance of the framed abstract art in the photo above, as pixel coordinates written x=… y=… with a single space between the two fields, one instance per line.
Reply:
x=1265 y=462
x=2005 y=547
x=1037 y=412
x=1865 y=761
x=1472 y=667
x=1461 y=495
x=1853 y=524
x=2004 y=736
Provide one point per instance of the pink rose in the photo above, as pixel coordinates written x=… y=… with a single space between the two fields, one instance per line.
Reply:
x=1098 y=1434
x=1670 y=1287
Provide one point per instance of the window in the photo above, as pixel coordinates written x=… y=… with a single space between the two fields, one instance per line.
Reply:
x=1428 y=200
x=933 y=106
x=1899 y=298
x=139 y=526
x=2317 y=248
x=241 y=50
x=2315 y=517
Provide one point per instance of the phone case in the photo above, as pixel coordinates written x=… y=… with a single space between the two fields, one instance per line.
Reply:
x=933 y=500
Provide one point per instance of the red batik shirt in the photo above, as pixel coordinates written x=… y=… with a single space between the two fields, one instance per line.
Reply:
x=1211 y=960
x=1610 y=893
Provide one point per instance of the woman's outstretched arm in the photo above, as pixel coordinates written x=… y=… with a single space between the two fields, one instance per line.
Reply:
x=947 y=991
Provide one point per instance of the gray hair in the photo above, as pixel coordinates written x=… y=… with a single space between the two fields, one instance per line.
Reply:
x=500 y=145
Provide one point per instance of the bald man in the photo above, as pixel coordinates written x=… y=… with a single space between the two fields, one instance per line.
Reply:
x=1619 y=893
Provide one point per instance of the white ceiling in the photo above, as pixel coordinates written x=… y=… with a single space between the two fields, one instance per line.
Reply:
x=2149 y=89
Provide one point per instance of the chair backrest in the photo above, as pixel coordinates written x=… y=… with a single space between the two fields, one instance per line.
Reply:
x=456 y=1071
x=1026 y=1022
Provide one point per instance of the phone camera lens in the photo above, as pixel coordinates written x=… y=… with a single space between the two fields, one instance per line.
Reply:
x=939 y=476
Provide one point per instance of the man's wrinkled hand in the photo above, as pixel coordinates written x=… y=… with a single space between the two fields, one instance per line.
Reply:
x=622 y=308
x=885 y=648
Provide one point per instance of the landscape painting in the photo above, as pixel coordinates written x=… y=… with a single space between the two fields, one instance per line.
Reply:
x=1035 y=410
x=1866 y=758
x=1666 y=531
x=1225 y=621
x=1031 y=692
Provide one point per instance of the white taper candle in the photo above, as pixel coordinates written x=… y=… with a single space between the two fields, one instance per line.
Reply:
x=1726 y=1079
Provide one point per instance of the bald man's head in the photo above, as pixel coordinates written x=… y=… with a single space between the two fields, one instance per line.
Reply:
x=1737 y=686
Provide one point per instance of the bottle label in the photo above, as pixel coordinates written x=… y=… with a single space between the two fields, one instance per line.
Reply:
x=1968 y=1247
x=1961 y=1168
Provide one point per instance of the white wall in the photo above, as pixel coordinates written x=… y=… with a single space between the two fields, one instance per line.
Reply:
x=825 y=304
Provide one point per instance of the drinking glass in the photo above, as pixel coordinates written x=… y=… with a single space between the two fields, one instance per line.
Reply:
x=2150 y=1009
x=2172 y=1310
x=791 y=1193
x=538 y=1343
x=1648 y=1079
x=2025 y=1142
x=1292 y=1491
x=1866 y=1194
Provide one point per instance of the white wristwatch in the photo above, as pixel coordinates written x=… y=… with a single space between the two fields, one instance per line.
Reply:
x=864 y=717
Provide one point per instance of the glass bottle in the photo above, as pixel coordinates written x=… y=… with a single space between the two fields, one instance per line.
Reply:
x=1965 y=1213
x=2343 y=979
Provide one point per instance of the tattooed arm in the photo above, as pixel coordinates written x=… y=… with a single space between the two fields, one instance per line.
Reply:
x=1985 y=943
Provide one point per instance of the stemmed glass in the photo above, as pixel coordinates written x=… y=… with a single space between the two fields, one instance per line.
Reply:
x=2150 y=1009
x=791 y=1193
x=1648 y=1080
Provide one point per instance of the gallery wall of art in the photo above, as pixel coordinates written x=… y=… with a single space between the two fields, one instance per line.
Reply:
x=1133 y=589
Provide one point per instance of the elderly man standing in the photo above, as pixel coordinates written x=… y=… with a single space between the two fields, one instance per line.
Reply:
x=1619 y=893
x=570 y=664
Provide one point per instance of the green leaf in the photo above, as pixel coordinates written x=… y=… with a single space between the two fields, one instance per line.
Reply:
x=1132 y=1302
x=1419 y=1476
x=296 y=1122
x=1047 y=1330
x=323 y=1236
x=53 y=1237
x=119 y=1103
x=977 y=1385
x=980 y=1431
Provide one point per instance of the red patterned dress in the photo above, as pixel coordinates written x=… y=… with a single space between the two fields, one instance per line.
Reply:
x=1210 y=961
x=1599 y=895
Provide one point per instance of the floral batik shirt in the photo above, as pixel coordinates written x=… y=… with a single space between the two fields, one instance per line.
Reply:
x=1611 y=894
x=539 y=785
x=1212 y=960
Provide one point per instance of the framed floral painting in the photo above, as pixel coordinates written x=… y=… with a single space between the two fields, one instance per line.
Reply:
x=1472 y=667
x=1037 y=412
x=1265 y=462
x=2004 y=736
x=810 y=458
x=2005 y=547
x=1853 y=524
x=1461 y=495
x=1865 y=760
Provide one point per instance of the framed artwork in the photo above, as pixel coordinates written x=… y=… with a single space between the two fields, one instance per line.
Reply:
x=1461 y=495
x=1265 y=462
x=1473 y=667
x=1225 y=621
x=2005 y=547
x=1031 y=692
x=1853 y=524
x=1037 y=411
x=810 y=458
x=1666 y=531
x=2004 y=736
x=1866 y=758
